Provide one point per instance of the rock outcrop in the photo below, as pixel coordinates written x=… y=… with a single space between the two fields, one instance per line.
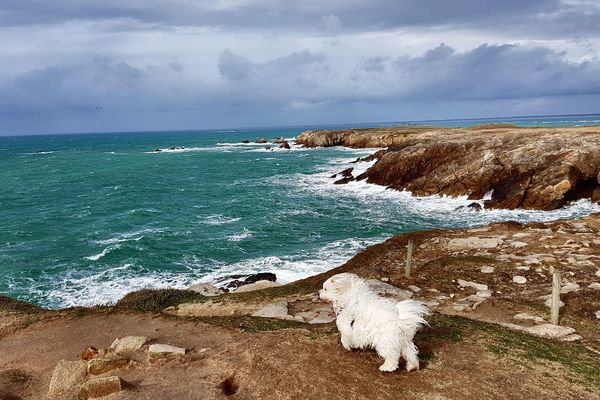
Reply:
x=532 y=168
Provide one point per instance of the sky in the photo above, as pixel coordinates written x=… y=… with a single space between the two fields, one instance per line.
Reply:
x=71 y=66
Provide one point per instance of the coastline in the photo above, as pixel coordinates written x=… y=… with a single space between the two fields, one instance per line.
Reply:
x=488 y=287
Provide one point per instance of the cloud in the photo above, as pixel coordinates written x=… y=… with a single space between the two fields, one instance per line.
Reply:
x=548 y=17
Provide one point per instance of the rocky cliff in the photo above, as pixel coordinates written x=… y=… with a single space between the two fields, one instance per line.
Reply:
x=535 y=168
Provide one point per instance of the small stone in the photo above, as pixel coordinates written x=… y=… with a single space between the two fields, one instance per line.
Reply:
x=103 y=386
x=387 y=290
x=274 y=310
x=165 y=349
x=323 y=318
x=91 y=352
x=206 y=289
x=521 y=235
x=595 y=286
x=598 y=273
x=487 y=270
x=528 y=317
x=474 y=242
x=385 y=279
x=571 y=338
x=597 y=314
x=258 y=285
x=474 y=285
x=127 y=345
x=414 y=288
x=484 y=294
x=569 y=287
x=548 y=302
x=519 y=279
x=98 y=366
x=550 y=330
x=518 y=245
x=522 y=268
x=67 y=376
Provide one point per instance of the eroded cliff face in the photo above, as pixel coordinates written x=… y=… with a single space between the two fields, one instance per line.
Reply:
x=531 y=168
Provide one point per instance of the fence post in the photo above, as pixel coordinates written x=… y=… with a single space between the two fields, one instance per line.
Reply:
x=409 y=250
x=555 y=306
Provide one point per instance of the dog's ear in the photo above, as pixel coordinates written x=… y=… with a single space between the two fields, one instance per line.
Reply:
x=342 y=284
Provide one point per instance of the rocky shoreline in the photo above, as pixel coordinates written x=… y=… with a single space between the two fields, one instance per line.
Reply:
x=507 y=166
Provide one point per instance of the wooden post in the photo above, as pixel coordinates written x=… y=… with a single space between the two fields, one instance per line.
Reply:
x=409 y=250
x=555 y=309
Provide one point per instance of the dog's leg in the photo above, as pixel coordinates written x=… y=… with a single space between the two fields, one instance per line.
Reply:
x=344 y=324
x=391 y=355
x=410 y=351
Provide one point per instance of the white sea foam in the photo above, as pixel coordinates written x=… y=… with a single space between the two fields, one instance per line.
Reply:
x=128 y=236
x=218 y=219
x=178 y=150
x=245 y=234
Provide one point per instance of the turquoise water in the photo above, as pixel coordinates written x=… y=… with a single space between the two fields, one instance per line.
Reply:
x=94 y=216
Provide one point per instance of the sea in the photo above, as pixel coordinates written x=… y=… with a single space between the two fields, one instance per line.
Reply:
x=87 y=218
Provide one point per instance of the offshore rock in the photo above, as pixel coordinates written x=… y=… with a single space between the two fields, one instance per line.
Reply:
x=531 y=168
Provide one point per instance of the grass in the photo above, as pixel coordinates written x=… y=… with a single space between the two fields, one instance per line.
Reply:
x=8 y=304
x=504 y=342
x=156 y=300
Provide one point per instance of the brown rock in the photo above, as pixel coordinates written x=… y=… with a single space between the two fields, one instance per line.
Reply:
x=66 y=378
x=103 y=386
x=261 y=140
x=245 y=141
x=91 y=352
x=284 y=145
x=101 y=365
x=532 y=168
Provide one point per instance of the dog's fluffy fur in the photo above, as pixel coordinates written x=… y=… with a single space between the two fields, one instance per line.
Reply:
x=366 y=320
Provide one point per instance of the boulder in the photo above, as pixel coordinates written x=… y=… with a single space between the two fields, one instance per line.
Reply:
x=165 y=349
x=99 y=387
x=261 y=141
x=240 y=280
x=259 y=285
x=343 y=181
x=245 y=141
x=206 y=289
x=101 y=365
x=284 y=145
x=128 y=345
x=66 y=378
x=475 y=206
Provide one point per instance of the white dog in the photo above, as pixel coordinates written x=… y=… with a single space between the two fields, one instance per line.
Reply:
x=366 y=320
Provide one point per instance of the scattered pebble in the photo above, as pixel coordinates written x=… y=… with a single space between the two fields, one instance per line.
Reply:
x=597 y=314
x=477 y=286
x=519 y=279
x=487 y=270
x=414 y=288
x=518 y=245
x=385 y=279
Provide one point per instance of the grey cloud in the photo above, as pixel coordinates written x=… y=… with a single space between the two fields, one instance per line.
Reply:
x=536 y=17
x=305 y=87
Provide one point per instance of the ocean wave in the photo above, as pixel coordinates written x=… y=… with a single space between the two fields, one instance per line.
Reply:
x=104 y=252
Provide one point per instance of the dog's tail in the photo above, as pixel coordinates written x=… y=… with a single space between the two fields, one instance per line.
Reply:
x=412 y=314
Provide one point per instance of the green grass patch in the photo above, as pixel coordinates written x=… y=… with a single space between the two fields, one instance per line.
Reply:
x=507 y=343
x=157 y=299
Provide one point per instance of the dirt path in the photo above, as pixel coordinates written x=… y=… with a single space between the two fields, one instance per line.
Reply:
x=463 y=360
